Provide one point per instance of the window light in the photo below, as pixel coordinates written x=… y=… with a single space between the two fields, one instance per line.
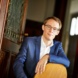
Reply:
x=73 y=27
x=76 y=29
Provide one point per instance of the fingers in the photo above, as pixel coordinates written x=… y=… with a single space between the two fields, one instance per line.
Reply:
x=37 y=69
x=40 y=68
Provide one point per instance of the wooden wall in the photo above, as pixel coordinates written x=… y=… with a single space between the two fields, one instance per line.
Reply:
x=7 y=46
x=3 y=13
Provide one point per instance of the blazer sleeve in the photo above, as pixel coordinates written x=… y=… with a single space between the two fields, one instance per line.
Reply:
x=19 y=61
x=59 y=56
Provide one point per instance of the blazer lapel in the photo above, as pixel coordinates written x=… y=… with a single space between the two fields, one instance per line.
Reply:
x=52 y=48
x=38 y=44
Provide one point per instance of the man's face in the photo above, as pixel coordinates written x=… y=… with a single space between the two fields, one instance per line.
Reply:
x=50 y=29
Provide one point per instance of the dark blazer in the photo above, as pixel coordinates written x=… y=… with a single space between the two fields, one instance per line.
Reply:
x=29 y=53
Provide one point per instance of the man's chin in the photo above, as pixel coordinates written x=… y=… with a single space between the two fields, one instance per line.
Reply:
x=50 y=39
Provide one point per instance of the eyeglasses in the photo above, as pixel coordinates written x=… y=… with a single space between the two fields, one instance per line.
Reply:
x=50 y=27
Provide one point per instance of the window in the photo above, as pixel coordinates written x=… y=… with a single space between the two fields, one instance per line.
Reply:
x=74 y=26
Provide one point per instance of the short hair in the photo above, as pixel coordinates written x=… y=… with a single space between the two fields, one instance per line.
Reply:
x=54 y=18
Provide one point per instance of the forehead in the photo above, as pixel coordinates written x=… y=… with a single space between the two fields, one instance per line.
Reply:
x=52 y=23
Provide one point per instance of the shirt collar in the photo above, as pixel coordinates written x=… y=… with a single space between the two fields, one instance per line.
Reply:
x=42 y=43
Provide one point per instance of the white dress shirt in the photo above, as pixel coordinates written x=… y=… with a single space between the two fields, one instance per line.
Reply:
x=44 y=49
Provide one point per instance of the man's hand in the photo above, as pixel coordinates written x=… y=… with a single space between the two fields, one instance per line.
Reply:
x=41 y=64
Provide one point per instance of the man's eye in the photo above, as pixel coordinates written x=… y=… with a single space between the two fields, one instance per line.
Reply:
x=54 y=28
x=49 y=26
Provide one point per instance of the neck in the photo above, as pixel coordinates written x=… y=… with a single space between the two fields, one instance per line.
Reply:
x=46 y=41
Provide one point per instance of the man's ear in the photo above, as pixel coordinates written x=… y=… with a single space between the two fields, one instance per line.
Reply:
x=43 y=27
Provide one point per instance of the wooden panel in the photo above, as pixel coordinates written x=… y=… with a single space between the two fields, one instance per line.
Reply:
x=2 y=55
x=6 y=64
x=4 y=67
x=10 y=43
x=15 y=20
x=3 y=14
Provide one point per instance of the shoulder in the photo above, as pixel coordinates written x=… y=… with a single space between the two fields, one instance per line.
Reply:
x=30 y=39
x=57 y=43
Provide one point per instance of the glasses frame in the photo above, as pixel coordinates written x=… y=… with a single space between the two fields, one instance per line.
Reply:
x=50 y=27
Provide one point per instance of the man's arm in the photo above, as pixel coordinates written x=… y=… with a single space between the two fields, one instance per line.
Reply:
x=18 y=69
x=60 y=58
x=19 y=62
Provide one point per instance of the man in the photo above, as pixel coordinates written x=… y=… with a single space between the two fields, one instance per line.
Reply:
x=36 y=52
